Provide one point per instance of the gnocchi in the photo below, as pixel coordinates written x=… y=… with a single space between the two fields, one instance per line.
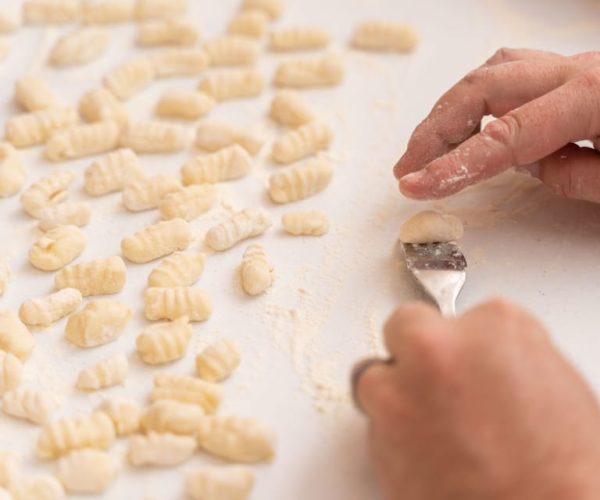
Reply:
x=188 y=105
x=48 y=191
x=12 y=171
x=42 y=486
x=173 y=302
x=32 y=93
x=236 y=439
x=235 y=84
x=9 y=22
x=130 y=77
x=11 y=371
x=5 y=273
x=31 y=129
x=218 y=361
x=232 y=482
x=46 y=310
x=98 y=323
x=107 y=373
x=231 y=162
x=70 y=213
x=95 y=277
x=289 y=108
x=34 y=405
x=242 y=225
x=385 y=36
x=187 y=390
x=108 y=11
x=146 y=194
x=158 y=240
x=256 y=272
x=9 y=467
x=15 y=338
x=302 y=142
x=172 y=416
x=5 y=47
x=273 y=8
x=164 y=343
x=298 y=38
x=300 y=182
x=152 y=9
x=179 y=269
x=59 y=437
x=179 y=62
x=213 y=136
x=124 y=413
x=154 y=137
x=80 y=46
x=431 y=227
x=86 y=471
x=82 y=140
x=167 y=32
x=232 y=50
x=189 y=203
x=100 y=105
x=113 y=172
x=57 y=248
x=161 y=449
x=305 y=223
x=323 y=71
x=51 y=11
x=251 y=23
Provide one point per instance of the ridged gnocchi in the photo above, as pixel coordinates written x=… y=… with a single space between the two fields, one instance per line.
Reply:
x=11 y=372
x=154 y=137
x=156 y=241
x=46 y=310
x=167 y=415
x=108 y=11
x=302 y=142
x=298 y=38
x=233 y=84
x=107 y=373
x=179 y=269
x=9 y=22
x=32 y=93
x=305 y=223
x=36 y=406
x=232 y=482
x=242 y=225
x=160 y=449
x=51 y=11
x=57 y=248
x=5 y=273
x=297 y=183
x=273 y=8
x=10 y=464
x=15 y=338
x=179 y=62
x=113 y=172
x=130 y=77
x=167 y=32
x=251 y=23
x=231 y=162
x=86 y=471
x=156 y=9
x=41 y=486
x=146 y=194
x=82 y=140
x=232 y=50
x=185 y=104
x=12 y=171
x=187 y=390
x=214 y=136
x=289 y=108
x=189 y=203
x=322 y=71
x=218 y=361
x=95 y=277
x=124 y=413
x=31 y=129
x=385 y=36
x=100 y=105
x=50 y=190
x=80 y=46
x=173 y=302
x=255 y=271
x=164 y=343
x=98 y=323
x=69 y=213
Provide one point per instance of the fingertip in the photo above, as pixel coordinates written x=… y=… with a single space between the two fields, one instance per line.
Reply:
x=412 y=186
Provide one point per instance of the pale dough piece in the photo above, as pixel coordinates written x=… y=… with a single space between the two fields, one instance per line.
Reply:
x=431 y=227
x=232 y=482
x=171 y=416
x=124 y=413
x=160 y=449
x=385 y=36
x=86 y=471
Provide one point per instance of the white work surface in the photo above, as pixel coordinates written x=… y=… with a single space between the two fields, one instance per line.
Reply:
x=331 y=294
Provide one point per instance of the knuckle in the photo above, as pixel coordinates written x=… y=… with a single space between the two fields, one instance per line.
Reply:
x=591 y=79
x=501 y=55
x=477 y=77
x=501 y=307
x=504 y=130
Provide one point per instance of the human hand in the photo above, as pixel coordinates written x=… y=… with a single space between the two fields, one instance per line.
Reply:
x=481 y=407
x=544 y=101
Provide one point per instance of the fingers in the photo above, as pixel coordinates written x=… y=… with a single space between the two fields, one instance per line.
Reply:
x=523 y=136
x=505 y=55
x=488 y=90
x=375 y=391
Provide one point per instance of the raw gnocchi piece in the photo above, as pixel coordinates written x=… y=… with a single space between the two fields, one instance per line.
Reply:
x=218 y=361
x=232 y=50
x=130 y=77
x=186 y=104
x=274 y=8
x=34 y=405
x=173 y=302
x=146 y=194
x=189 y=203
x=51 y=11
x=179 y=62
x=323 y=71
x=79 y=46
x=95 y=277
x=298 y=38
x=107 y=373
x=100 y=105
x=82 y=140
x=15 y=338
x=113 y=172
x=256 y=272
x=11 y=372
x=32 y=93
x=234 y=84
x=385 y=36
x=214 y=135
x=431 y=227
x=9 y=22
x=187 y=390
x=164 y=343
x=10 y=464
x=5 y=273
x=161 y=449
x=153 y=9
x=40 y=487
x=227 y=164
x=57 y=248
x=251 y=23
x=12 y=171
x=124 y=413
x=289 y=108
x=297 y=183
x=167 y=32
x=4 y=494
x=48 y=191
x=108 y=11
x=302 y=142
x=98 y=323
x=171 y=416
x=179 y=269
x=5 y=46
x=156 y=241
x=305 y=223
x=86 y=471
x=31 y=129
x=59 y=437
x=154 y=137
x=236 y=439
x=70 y=213
x=232 y=482
x=242 y=225
x=46 y=310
